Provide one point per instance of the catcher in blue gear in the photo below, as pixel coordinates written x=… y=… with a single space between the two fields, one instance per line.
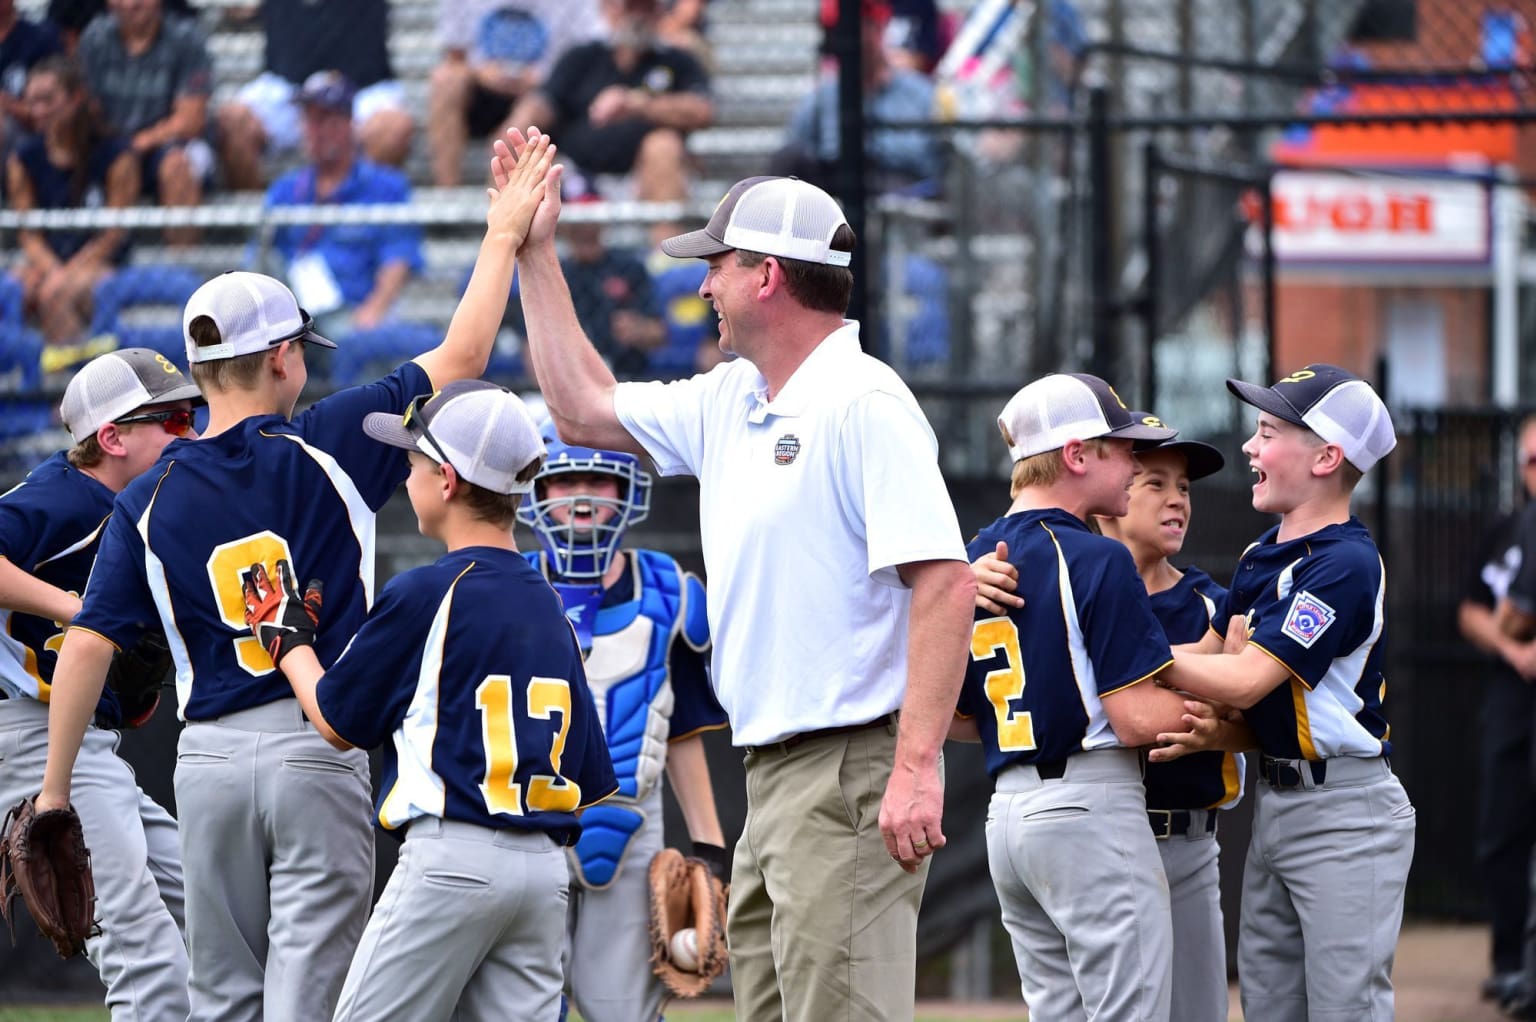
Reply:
x=640 y=619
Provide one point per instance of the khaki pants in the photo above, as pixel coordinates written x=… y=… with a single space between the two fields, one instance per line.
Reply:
x=822 y=923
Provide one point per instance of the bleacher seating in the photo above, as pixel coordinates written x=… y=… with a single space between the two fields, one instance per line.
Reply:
x=155 y=291
x=764 y=57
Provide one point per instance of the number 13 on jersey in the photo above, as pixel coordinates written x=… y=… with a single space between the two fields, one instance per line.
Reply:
x=548 y=793
x=1015 y=729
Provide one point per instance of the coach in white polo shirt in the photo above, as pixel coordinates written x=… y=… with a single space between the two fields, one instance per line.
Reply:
x=839 y=591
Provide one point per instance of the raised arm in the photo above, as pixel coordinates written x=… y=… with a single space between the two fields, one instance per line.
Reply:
x=578 y=386
x=466 y=349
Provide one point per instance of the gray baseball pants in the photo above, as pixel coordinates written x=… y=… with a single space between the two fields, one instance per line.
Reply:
x=277 y=844
x=1191 y=864
x=467 y=929
x=1082 y=890
x=1323 y=896
x=608 y=940
x=140 y=953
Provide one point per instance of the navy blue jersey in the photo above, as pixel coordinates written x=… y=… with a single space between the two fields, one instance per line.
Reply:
x=1037 y=676
x=1202 y=780
x=50 y=526
x=304 y=491
x=470 y=667
x=1317 y=605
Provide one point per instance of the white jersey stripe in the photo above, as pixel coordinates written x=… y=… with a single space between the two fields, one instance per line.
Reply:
x=418 y=789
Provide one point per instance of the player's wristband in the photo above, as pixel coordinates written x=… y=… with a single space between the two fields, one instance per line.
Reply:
x=714 y=858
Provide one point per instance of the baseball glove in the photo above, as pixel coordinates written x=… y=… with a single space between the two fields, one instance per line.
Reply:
x=44 y=859
x=137 y=675
x=684 y=893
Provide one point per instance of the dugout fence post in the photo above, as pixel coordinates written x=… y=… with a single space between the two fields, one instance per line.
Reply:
x=1147 y=305
x=848 y=49
x=1103 y=352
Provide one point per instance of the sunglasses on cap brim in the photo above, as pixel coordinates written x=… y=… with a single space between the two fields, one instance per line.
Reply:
x=415 y=421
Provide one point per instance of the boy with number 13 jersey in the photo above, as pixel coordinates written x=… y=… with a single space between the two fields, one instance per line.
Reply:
x=469 y=670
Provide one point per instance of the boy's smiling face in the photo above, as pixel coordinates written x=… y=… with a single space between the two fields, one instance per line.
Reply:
x=1282 y=454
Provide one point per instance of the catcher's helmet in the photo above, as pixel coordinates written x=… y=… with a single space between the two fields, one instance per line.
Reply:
x=585 y=551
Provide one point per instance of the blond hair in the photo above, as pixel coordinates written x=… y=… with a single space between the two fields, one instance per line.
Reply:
x=1044 y=469
x=87 y=453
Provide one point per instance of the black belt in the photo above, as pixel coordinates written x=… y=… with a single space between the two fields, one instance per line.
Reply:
x=1283 y=773
x=1167 y=823
x=785 y=744
x=1051 y=771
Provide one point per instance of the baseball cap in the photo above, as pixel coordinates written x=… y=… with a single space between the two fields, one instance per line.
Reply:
x=1333 y=403
x=484 y=431
x=1047 y=413
x=329 y=90
x=110 y=386
x=778 y=216
x=253 y=312
x=1201 y=459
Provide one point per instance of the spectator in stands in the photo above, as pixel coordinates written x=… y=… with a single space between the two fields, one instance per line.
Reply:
x=72 y=162
x=350 y=36
x=682 y=25
x=151 y=75
x=911 y=32
x=70 y=17
x=900 y=160
x=22 y=44
x=345 y=275
x=494 y=53
x=611 y=290
x=625 y=105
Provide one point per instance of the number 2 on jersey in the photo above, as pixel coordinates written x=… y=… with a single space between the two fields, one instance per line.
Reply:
x=1015 y=730
x=546 y=793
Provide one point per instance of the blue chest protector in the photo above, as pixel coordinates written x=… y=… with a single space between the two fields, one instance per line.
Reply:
x=629 y=674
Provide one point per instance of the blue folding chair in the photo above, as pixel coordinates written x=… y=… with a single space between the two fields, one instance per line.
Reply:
x=21 y=348
x=690 y=321
x=364 y=355
x=142 y=288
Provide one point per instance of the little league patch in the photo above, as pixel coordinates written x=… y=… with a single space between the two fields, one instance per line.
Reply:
x=1307 y=619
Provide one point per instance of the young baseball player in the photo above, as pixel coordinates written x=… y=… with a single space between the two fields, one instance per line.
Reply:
x=1059 y=688
x=121 y=409
x=642 y=620
x=468 y=671
x=1333 y=831
x=1183 y=796
x=276 y=846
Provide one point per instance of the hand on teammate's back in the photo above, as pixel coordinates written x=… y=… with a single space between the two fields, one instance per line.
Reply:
x=996 y=580
x=519 y=187
x=280 y=619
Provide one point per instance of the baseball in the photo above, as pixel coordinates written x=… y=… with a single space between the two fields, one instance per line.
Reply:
x=685 y=949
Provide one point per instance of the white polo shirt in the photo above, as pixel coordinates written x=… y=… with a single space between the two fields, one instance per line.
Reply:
x=807 y=505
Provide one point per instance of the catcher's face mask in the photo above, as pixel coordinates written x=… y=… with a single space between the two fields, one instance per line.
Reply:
x=581 y=533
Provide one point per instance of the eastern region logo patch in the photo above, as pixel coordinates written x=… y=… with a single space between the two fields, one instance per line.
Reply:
x=786 y=449
x=1307 y=619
